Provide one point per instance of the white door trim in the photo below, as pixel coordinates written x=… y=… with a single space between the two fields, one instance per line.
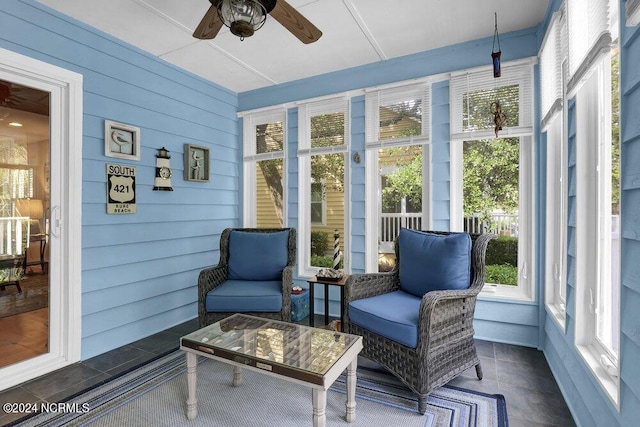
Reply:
x=65 y=246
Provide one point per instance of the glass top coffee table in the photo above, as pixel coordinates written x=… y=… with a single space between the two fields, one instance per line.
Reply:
x=310 y=356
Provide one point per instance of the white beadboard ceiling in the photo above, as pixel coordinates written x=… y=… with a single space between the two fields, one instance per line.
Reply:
x=355 y=32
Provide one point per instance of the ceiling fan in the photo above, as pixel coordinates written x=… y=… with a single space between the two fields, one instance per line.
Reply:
x=244 y=17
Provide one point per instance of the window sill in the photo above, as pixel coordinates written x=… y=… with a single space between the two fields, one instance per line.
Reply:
x=505 y=292
x=609 y=384
x=559 y=316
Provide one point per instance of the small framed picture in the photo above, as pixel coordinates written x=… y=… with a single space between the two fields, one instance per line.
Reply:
x=121 y=141
x=196 y=163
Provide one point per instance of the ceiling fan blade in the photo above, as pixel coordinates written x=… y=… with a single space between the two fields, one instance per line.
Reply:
x=293 y=21
x=209 y=26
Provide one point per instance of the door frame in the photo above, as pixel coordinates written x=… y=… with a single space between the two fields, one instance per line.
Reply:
x=65 y=246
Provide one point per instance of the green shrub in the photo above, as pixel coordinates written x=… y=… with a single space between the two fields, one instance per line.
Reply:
x=504 y=250
x=503 y=274
x=319 y=243
x=325 y=261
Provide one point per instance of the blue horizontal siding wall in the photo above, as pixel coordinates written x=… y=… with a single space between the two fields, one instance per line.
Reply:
x=139 y=271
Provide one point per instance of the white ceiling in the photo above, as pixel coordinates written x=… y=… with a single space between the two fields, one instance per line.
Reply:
x=355 y=32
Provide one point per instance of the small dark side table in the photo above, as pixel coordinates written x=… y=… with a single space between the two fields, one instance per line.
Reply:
x=326 y=282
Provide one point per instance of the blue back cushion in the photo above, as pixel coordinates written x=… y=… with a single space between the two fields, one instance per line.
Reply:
x=430 y=262
x=258 y=256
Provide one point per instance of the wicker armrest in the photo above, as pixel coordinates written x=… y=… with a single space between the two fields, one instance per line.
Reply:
x=287 y=285
x=210 y=278
x=442 y=313
x=360 y=286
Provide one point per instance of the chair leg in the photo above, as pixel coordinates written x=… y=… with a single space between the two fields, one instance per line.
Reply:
x=422 y=403
x=479 y=371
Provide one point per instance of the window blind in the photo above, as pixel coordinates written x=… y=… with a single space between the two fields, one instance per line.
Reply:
x=472 y=94
x=552 y=54
x=264 y=135
x=398 y=114
x=324 y=127
x=588 y=35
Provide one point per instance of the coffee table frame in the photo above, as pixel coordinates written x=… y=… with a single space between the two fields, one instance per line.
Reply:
x=318 y=383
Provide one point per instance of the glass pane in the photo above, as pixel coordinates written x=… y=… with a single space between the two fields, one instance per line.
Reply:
x=269 y=137
x=327 y=130
x=24 y=208
x=609 y=288
x=401 y=198
x=269 y=207
x=490 y=202
x=478 y=107
x=401 y=120
x=328 y=169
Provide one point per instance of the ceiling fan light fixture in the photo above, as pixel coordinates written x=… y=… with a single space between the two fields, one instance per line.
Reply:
x=243 y=17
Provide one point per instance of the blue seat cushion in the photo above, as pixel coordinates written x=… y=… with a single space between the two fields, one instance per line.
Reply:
x=245 y=296
x=258 y=256
x=430 y=262
x=394 y=315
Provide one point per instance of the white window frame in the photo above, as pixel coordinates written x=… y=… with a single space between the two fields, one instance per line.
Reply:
x=305 y=112
x=553 y=72
x=65 y=242
x=373 y=99
x=523 y=76
x=593 y=132
x=251 y=159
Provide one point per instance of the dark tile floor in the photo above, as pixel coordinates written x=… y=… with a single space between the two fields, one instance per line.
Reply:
x=521 y=374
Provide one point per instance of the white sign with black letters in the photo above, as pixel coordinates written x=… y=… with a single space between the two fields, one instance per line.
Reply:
x=121 y=189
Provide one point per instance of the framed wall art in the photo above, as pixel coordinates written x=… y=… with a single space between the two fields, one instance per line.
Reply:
x=121 y=140
x=196 y=163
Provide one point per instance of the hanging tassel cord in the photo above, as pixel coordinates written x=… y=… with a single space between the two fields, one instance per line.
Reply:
x=496 y=36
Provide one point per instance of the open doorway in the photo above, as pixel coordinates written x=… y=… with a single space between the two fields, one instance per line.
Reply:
x=24 y=222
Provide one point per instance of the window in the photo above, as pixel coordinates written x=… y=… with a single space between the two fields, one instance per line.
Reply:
x=593 y=83
x=264 y=173
x=553 y=69
x=323 y=142
x=397 y=137
x=318 y=203
x=492 y=171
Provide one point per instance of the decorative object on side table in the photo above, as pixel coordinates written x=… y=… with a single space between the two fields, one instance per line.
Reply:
x=329 y=274
x=121 y=140
x=163 y=171
x=196 y=163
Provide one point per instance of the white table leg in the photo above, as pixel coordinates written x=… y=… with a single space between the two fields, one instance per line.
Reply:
x=192 y=382
x=237 y=376
x=319 y=407
x=350 y=404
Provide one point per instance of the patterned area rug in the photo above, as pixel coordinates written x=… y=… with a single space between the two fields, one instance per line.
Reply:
x=155 y=394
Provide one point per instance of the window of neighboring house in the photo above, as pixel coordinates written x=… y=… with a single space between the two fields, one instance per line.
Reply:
x=397 y=137
x=492 y=172
x=323 y=137
x=264 y=173
x=318 y=203
x=593 y=81
x=553 y=69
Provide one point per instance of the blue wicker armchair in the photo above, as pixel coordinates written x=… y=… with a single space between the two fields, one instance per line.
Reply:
x=254 y=275
x=417 y=320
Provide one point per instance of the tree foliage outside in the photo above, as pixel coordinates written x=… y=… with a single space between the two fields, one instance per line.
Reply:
x=491 y=170
x=615 y=131
x=405 y=182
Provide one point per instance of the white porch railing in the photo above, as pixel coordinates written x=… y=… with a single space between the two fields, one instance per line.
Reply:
x=391 y=223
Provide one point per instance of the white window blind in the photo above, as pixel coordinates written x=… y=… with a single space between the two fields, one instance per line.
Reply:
x=552 y=54
x=264 y=135
x=324 y=127
x=400 y=113
x=473 y=92
x=588 y=34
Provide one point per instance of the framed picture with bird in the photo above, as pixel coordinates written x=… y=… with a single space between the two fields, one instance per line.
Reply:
x=196 y=163
x=121 y=140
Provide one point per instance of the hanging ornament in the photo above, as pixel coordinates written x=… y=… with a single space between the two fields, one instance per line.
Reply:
x=499 y=118
x=495 y=55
